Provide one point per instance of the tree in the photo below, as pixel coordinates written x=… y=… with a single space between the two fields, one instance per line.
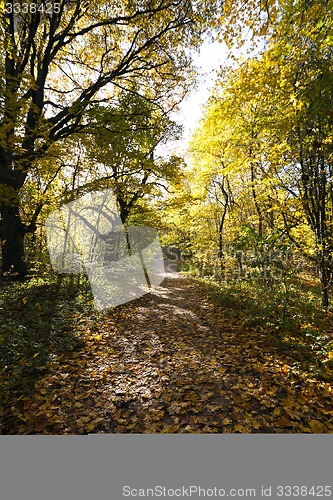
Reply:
x=228 y=151
x=270 y=124
x=301 y=47
x=123 y=146
x=58 y=64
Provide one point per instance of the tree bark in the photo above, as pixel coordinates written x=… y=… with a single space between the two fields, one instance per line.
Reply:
x=221 y=228
x=325 y=277
x=256 y=204
x=12 y=242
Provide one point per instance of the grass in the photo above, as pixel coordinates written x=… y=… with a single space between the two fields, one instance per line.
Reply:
x=289 y=314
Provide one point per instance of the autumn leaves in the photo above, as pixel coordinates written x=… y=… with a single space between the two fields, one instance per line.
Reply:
x=170 y=362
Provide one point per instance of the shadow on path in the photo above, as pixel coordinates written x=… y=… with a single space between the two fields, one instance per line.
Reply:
x=170 y=362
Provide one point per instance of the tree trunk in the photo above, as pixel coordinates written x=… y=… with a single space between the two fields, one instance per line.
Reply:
x=256 y=203
x=325 y=277
x=12 y=243
x=221 y=227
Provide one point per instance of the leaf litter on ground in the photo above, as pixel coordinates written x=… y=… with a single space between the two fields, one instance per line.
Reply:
x=169 y=362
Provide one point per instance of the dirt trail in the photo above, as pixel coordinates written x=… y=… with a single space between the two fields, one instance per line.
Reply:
x=170 y=362
x=175 y=364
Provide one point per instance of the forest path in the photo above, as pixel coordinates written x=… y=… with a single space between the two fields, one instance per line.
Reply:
x=171 y=362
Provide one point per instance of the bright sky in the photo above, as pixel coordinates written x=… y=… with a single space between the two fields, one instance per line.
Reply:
x=211 y=57
x=208 y=62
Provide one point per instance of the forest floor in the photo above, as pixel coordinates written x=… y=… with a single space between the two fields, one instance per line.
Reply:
x=169 y=362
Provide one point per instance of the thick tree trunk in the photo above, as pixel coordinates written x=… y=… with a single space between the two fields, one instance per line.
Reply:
x=12 y=243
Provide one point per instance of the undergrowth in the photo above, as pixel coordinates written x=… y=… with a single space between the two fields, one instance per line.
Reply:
x=290 y=315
